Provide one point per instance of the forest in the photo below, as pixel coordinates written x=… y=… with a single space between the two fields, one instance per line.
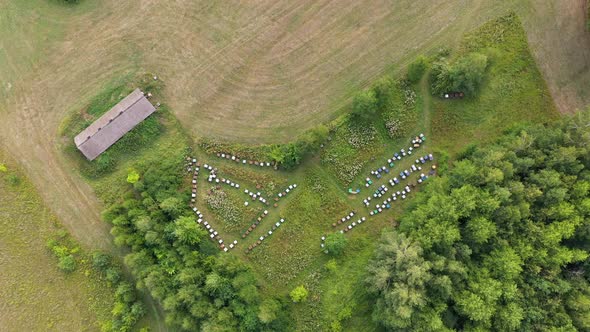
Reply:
x=172 y=259
x=499 y=243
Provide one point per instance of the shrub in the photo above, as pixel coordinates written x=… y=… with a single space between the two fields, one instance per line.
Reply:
x=102 y=165
x=331 y=266
x=335 y=326
x=66 y=260
x=439 y=78
x=287 y=155
x=113 y=275
x=3 y=168
x=290 y=155
x=311 y=140
x=269 y=310
x=132 y=176
x=67 y=263
x=417 y=69
x=346 y=312
x=101 y=260
x=299 y=294
x=335 y=243
x=13 y=180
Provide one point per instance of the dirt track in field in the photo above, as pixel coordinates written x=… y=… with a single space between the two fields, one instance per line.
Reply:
x=259 y=71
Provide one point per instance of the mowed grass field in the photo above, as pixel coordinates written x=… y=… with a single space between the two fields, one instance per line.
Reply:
x=259 y=71
x=35 y=295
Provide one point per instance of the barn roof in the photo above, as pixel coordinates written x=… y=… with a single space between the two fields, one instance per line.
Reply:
x=113 y=125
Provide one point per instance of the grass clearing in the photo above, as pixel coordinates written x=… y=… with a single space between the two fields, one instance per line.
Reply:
x=37 y=296
x=513 y=92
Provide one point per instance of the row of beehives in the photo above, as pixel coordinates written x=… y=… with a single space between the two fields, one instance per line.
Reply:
x=194 y=167
x=244 y=161
x=379 y=172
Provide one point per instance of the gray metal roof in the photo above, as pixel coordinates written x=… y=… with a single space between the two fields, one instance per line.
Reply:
x=114 y=124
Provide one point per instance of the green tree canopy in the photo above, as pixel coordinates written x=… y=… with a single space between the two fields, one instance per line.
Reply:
x=498 y=243
x=168 y=257
x=364 y=105
x=465 y=75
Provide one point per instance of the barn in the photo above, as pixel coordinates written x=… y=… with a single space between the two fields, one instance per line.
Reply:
x=114 y=124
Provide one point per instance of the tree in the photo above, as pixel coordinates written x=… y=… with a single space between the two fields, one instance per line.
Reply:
x=290 y=155
x=287 y=155
x=187 y=231
x=331 y=266
x=299 y=294
x=465 y=75
x=335 y=243
x=384 y=93
x=398 y=261
x=311 y=140
x=364 y=105
x=269 y=310
x=173 y=206
x=468 y=73
x=113 y=275
x=197 y=289
x=277 y=154
x=417 y=69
